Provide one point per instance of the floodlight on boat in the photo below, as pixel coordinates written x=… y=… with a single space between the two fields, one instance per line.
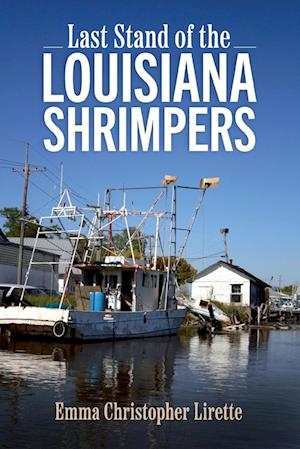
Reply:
x=206 y=183
x=168 y=179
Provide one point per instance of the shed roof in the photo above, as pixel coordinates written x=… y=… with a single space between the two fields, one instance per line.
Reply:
x=60 y=247
x=9 y=243
x=234 y=268
x=3 y=237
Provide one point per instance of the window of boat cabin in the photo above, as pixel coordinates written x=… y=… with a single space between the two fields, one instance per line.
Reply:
x=236 y=293
x=154 y=280
x=111 y=280
x=146 y=279
x=149 y=281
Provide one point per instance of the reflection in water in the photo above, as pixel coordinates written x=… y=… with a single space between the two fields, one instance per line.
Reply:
x=254 y=370
x=218 y=354
x=124 y=371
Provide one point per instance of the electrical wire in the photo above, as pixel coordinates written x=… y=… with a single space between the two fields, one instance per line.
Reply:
x=206 y=257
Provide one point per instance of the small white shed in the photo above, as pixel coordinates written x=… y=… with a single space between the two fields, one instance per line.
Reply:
x=228 y=283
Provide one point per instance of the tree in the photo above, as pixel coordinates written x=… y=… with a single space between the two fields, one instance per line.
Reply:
x=138 y=243
x=12 y=223
x=288 y=289
x=184 y=269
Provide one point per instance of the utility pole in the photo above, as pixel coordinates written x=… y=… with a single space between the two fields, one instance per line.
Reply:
x=279 y=282
x=27 y=170
x=224 y=232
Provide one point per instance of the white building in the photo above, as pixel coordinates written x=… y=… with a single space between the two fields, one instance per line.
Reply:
x=228 y=283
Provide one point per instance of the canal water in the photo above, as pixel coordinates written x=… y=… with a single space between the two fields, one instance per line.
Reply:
x=257 y=371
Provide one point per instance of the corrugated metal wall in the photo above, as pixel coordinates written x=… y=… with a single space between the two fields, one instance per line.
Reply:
x=9 y=256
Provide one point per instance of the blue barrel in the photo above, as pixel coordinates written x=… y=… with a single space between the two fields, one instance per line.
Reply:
x=92 y=301
x=99 y=303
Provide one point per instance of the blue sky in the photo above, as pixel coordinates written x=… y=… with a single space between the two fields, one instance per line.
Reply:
x=258 y=196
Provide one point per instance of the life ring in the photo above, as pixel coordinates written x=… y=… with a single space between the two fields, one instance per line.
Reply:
x=59 y=329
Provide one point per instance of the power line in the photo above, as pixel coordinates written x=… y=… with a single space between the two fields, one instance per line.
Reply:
x=58 y=179
x=38 y=187
x=41 y=190
x=45 y=204
x=70 y=188
x=205 y=257
x=8 y=162
x=50 y=175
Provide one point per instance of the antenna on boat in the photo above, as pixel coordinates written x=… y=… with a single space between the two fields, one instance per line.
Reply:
x=159 y=215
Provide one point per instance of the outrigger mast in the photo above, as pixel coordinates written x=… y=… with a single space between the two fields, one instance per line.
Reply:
x=68 y=221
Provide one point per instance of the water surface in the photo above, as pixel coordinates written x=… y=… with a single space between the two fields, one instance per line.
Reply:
x=258 y=371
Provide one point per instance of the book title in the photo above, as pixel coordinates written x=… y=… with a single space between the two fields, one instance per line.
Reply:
x=126 y=89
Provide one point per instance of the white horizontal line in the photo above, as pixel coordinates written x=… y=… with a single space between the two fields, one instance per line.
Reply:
x=53 y=46
x=244 y=46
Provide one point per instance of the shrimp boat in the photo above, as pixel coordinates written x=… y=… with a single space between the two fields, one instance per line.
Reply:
x=128 y=278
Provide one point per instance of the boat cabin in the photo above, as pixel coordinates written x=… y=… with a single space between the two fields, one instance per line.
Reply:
x=127 y=286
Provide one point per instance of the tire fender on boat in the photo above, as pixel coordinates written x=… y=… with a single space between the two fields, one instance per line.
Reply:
x=59 y=329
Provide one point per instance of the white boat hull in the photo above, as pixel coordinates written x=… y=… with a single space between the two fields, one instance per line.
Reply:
x=78 y=325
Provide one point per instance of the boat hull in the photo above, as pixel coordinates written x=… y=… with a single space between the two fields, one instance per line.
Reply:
x=88 y=326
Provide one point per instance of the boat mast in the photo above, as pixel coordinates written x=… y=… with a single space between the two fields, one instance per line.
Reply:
x=171 y=267
x=159 y=215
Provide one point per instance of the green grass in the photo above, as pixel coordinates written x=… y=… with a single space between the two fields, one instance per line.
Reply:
x=241 y=312
x=190 y=324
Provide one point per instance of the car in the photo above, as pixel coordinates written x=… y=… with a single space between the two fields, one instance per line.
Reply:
x=10 y=294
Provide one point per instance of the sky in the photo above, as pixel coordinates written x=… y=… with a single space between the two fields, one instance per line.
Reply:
x=259 y=191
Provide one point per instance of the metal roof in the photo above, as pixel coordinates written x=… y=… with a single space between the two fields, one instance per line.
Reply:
x=61 y=247
x=10 y=242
